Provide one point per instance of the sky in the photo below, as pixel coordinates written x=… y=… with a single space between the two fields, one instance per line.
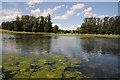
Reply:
x=67 y=15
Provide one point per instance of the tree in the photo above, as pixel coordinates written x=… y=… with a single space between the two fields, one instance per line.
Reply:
x=78 y=30
x=34 y=28
x=55 y=29
x=111 y=24
x=41 y=23
x=17 y=24
x=91 y=25
x=48 y=24
x=101 y=26
x=105 y=25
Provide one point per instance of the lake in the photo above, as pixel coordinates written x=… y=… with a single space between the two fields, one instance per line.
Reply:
x=98 y=57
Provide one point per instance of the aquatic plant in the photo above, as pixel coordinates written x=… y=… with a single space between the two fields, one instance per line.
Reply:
x=42 y=66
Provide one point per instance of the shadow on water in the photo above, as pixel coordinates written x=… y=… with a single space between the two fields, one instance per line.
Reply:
x=27 y=44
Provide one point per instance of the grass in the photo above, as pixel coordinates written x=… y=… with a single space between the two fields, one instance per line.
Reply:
x=62 y=34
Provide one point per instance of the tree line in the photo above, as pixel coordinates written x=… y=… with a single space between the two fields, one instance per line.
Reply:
x=31 y=24
x=92 y=25
x=107 y=25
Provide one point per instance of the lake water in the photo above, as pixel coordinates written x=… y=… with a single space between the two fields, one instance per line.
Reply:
x=98 y=57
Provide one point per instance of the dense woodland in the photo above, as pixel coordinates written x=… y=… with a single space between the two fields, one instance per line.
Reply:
x=93 y=25
x=31 y=24
x=107 y=25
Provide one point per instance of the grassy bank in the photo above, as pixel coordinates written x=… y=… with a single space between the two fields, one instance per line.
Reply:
x=62 y=34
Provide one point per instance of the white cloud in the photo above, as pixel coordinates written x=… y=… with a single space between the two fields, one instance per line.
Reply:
x=77 y=6
x=37 y=12
x=66 y=7
x=78 y=14
x=63 y=5
x=65 y=16
x=56 y=24
x=94 y=14
x=10 y=14
x=31 y=3
x=74 y=27
x=70 y=12
x=51 y=11
x=79 y=26
x=88 y=12
x=102 y=16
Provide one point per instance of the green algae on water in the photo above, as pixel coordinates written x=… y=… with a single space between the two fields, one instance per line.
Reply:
x=42 y=66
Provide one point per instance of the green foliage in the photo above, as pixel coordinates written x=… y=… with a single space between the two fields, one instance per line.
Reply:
x=55 y=29
x=48 y=24
x=92 y=25
x=107 y=25
x=29 y=24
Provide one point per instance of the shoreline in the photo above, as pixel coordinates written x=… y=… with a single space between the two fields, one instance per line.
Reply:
x=62 y=34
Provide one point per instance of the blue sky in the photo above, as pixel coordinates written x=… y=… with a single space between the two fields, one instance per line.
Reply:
x=68 y=15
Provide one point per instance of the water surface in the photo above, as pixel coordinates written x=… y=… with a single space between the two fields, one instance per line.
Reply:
x=98 y=57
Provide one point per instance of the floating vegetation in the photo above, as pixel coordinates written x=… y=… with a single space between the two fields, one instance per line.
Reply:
x=87 y=37
x=42 y=66
x=0 y=66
